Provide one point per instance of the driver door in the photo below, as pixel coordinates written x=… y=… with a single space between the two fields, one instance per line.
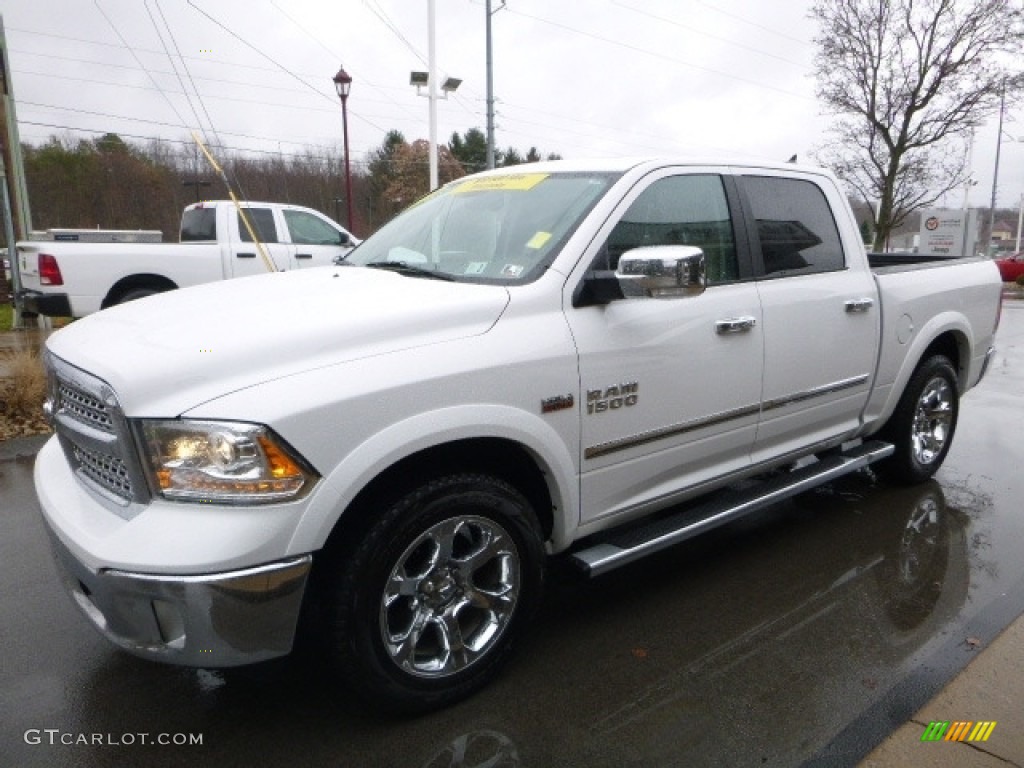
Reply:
x=670 y=388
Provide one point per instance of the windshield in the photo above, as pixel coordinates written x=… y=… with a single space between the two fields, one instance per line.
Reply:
x=492 y=229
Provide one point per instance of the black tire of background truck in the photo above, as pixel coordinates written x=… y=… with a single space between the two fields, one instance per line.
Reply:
x=923 y=424
x=137 y=293
x=455 y=544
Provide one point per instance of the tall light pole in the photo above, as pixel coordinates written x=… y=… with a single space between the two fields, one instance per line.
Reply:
x=343 y=84
x=432 y=93
x=429 y=79
x=490 y=83
x=490 y=91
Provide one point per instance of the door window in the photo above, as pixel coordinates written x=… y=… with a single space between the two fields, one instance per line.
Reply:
x=262 y=220
x=794 y=226
x=680 y=210
x=307 y=229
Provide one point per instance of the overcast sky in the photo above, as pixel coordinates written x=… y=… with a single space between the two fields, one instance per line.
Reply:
x=588 y=78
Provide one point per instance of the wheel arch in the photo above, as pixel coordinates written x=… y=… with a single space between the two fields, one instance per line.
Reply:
x=949 y=335
x=134 y=282
x=498 y=457
x=535 y=461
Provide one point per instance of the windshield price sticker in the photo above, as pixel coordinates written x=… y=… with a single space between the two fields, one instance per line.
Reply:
x=516 y=181
x=538 y=240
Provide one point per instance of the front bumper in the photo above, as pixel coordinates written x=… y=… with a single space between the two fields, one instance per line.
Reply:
x=49 y=304
x=211 y=620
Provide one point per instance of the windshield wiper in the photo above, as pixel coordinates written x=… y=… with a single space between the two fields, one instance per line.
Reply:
x=405 y=268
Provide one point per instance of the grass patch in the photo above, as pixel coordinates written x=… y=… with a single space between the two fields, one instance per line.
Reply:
x=25 y=388
x=6 y=317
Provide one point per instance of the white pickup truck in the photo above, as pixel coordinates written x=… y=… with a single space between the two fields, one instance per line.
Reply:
x=74 y=279
x=591 y=360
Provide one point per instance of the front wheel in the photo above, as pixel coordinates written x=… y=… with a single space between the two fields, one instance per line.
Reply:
x=923 y=423
x=425 y=609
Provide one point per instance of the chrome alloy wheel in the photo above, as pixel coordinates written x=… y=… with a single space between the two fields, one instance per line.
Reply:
x=450 y=596
x=933 y=419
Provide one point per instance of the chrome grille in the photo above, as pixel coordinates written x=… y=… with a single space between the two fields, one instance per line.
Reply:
x=84 y=407
x=108 y=472
x=96 y=438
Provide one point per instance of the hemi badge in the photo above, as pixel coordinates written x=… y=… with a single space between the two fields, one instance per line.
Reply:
x=557 y=403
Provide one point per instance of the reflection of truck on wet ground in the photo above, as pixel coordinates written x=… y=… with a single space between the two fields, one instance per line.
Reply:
x=522 y=364
x=70 y=276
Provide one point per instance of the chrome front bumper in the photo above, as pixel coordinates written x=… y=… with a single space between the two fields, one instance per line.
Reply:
x=212 y=620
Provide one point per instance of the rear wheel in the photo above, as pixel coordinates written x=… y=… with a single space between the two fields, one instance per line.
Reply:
x=137 y=293
x=424 y=611
x=923 y=423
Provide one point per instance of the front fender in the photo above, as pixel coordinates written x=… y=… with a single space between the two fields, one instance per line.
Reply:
x=366 y=461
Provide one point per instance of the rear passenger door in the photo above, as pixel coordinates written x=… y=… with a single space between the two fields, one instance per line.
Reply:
x=820 y=312
x=245 y=258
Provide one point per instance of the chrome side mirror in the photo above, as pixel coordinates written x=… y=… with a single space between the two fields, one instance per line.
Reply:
x=662 y=271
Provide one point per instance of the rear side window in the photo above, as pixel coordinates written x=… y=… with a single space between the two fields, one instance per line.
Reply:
x=262 y=220
x=199 y=224
x=795 y=227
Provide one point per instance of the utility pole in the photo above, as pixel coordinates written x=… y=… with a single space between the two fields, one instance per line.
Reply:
x=995 y=173
x=198 y=184
x=18 y=222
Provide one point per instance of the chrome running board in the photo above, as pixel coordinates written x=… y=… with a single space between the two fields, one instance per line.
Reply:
x=618 y=548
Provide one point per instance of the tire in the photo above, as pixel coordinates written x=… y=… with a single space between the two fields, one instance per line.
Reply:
x=423 y=611
x=137 y=293
x=923 y=424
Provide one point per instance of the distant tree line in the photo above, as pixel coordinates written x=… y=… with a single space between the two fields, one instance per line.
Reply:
x=114 y=184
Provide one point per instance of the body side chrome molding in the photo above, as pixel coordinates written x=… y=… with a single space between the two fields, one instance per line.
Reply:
x=826 y=389
x=625 y=443
x=661 y=433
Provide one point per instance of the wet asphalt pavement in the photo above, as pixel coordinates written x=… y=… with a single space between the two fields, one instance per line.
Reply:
x=803 y=635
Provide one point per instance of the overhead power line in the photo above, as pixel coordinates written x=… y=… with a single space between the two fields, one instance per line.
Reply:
x=655 y=54
x=139 y=62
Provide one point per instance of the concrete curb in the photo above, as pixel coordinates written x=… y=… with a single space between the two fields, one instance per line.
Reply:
x=990 y=688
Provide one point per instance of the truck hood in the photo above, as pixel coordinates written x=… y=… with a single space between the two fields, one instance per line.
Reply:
x=168 y=353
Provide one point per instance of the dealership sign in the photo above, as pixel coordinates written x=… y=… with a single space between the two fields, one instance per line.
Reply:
x=943 y=232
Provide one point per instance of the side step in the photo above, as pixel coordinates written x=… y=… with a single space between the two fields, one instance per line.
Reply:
x=619 y=548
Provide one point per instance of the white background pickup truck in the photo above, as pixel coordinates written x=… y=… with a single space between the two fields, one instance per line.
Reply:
x=77 y=278
x=590 y=359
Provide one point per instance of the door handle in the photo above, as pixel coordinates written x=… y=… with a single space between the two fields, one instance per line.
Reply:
x=245 y=255
x=735 y=325
x=859 y=305
x=303 y=255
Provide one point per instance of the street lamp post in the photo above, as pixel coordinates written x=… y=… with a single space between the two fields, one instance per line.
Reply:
x=342 y=84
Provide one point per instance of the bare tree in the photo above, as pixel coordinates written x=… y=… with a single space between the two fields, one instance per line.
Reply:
x=908 y=80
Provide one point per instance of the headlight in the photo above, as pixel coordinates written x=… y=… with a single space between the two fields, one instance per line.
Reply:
x=222 y=462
